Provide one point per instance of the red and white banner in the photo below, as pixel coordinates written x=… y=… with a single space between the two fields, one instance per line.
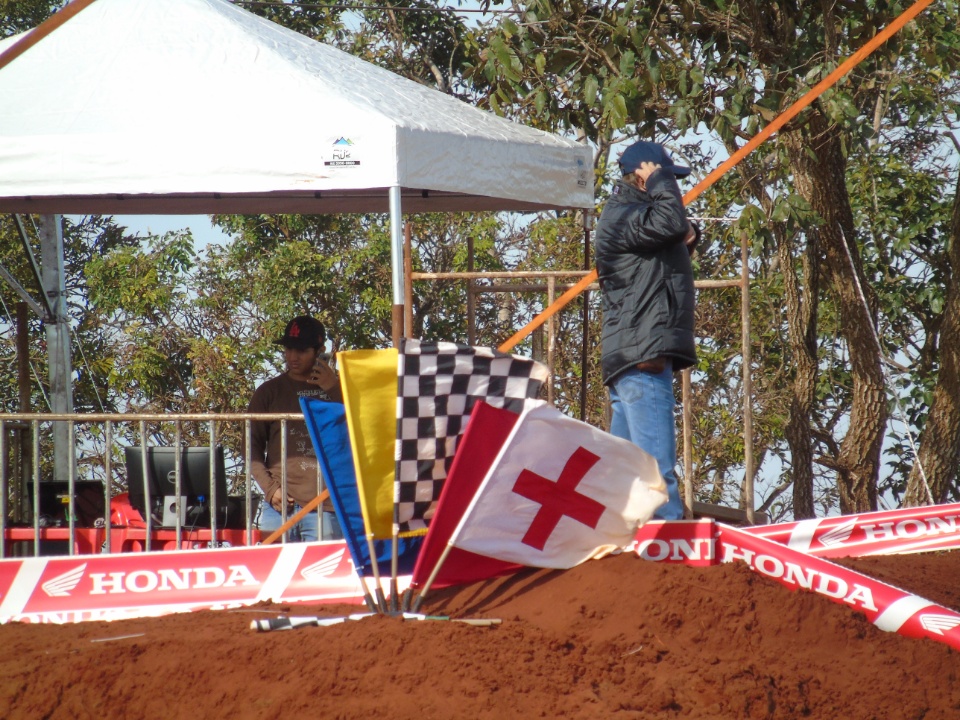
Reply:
x=891 y=532
x=108 y=587
x=887 y=607
x=691 y=542
x=909 y=530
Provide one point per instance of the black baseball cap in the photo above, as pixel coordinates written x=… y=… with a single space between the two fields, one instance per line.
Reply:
x=645 y=151
x=303 y=332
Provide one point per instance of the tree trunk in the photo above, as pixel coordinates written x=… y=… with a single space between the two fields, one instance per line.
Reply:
x=939 y=441
x=801 y=294
x=817 y=160
x=801 y=307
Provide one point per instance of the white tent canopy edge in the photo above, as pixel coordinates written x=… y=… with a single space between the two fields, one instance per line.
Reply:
x=144 y=107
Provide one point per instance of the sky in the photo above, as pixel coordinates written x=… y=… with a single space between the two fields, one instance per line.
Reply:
x=204 y=233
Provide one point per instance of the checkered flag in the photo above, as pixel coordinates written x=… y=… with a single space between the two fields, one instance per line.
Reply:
x=438 y=385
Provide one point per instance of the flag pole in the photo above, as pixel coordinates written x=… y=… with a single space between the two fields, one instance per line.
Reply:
x=381 y=600
x=394 y=565
x=778 y=122
x=367 y=597
x=433 y=576
x=310 y=506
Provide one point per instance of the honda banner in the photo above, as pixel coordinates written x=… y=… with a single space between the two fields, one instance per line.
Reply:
x=886 y=606
x=106 y=587
x=921 y=529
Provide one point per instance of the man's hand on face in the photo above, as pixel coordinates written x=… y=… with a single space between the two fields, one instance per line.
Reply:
x=643 y=172
x=324 y=376
x=693 y=237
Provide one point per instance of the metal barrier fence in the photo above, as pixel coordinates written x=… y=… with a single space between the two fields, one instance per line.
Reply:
x=101 y=438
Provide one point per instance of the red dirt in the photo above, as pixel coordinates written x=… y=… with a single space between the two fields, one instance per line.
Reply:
x=617 y=637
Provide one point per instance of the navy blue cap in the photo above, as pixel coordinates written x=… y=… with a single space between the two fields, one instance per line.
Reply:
x=644 y=151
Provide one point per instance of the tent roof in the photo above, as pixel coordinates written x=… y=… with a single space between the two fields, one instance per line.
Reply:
x=198 y=106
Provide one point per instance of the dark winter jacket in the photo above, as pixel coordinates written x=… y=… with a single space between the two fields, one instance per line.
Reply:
x=646 y=276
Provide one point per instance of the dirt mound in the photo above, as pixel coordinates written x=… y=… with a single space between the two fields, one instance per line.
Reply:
x=619 y=636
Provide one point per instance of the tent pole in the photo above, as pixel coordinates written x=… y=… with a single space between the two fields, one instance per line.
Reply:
x=407 y=280
x=585 y=316
x=21 y=450
x=471 y=296
x=396 y=263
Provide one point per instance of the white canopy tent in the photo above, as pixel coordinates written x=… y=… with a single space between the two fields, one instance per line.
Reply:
x=198 y=106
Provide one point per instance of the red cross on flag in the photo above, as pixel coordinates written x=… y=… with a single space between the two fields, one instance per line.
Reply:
x=560 y=492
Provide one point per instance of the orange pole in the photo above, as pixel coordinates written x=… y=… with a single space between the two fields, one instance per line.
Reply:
x=778 y=122
x=550 y=311
x=309 y=507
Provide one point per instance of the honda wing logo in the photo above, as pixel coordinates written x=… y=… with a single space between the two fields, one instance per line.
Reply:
x=939 y=624
x=839 y=535
x=323 y=568
x=61 y=585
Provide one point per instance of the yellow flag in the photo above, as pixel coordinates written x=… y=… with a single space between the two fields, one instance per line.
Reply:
x=369 y=382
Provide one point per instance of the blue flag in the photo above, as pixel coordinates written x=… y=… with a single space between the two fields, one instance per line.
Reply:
x=327 y=424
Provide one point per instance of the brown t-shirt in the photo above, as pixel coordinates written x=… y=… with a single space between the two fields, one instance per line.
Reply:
x=282 y=395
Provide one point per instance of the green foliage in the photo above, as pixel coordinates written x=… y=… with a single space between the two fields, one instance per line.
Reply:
x=18 y=16
x=140 y=294
x=427 y=43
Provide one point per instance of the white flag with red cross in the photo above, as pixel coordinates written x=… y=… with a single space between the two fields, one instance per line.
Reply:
x=560 y=492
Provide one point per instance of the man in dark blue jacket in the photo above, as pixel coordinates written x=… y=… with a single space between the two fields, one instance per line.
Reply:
x=643 y=247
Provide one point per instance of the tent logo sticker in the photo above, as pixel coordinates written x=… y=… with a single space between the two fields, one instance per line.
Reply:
x=582 y=173
x=341 y=154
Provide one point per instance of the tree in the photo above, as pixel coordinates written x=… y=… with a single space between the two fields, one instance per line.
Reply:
x=934 y=476
x=822 y=149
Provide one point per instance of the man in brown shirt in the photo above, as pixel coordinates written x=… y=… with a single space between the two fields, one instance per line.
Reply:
x=306 y=376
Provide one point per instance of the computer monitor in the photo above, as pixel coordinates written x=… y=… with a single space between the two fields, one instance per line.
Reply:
x=161 y=480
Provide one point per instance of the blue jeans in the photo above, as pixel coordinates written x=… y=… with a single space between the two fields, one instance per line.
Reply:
x=304 y=531
x=643 y=413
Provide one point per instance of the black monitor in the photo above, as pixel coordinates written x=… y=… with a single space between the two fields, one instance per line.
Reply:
x=88 y=503
x=161 y=479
